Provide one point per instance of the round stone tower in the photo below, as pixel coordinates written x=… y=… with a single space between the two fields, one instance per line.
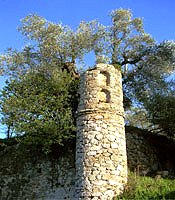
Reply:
x=101 y=162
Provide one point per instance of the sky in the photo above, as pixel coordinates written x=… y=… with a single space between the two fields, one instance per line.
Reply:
x=158 y=17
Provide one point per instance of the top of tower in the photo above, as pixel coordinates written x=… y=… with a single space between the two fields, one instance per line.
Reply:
x=101 y=89
x=102 y=66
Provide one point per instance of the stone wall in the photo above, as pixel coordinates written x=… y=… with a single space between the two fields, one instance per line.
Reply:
x=29 y=175
x=149 y=153
x=101 y=163
x=141 y=153
x=32 y=176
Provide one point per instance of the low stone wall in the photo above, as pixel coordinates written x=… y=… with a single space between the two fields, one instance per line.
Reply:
x=26 y=175
x=29 y=176
x=141 y=154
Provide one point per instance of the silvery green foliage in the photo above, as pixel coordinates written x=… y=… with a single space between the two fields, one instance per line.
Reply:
x=145 y=64
x=59 y=39
x=52 y=44
x=128 y=37
x=123 y=41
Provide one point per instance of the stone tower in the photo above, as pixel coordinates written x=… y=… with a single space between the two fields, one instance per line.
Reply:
x=101 y=162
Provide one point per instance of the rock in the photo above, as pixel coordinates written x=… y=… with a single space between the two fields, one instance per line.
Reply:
x=114 y=145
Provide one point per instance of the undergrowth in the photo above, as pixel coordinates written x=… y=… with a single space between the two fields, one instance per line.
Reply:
x=146 y=188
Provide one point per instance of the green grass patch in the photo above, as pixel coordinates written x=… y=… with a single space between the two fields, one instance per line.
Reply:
x=146 y=188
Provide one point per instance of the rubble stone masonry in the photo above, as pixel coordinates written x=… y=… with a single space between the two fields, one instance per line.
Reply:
x=101 y=161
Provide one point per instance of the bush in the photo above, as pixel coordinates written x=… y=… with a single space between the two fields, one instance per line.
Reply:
x=145 y=188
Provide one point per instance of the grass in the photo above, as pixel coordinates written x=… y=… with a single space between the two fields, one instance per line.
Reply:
x=146 y=188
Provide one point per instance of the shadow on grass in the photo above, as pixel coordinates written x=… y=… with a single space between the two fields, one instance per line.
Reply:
x=168 y=196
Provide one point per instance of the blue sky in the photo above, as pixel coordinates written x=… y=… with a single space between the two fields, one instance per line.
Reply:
x=158 y=16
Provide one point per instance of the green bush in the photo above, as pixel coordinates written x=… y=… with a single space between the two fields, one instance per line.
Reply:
x=40 y=109
x=144 y=188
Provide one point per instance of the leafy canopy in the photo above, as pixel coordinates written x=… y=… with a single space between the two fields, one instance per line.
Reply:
x=40 y=98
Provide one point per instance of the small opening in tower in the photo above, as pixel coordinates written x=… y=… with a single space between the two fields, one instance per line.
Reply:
x=107 y=76
x=105 y=96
